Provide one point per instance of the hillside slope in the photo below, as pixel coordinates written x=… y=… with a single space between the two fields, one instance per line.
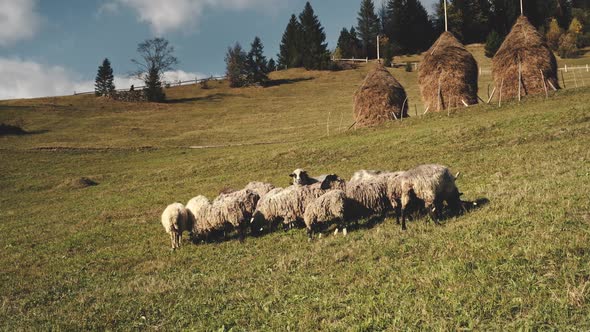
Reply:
x=98 y=258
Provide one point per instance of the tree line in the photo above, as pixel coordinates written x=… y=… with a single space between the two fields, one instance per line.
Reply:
x=407 y=28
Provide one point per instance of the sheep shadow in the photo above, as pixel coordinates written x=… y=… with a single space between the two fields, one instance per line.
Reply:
x=467 y=207
x=287 y=81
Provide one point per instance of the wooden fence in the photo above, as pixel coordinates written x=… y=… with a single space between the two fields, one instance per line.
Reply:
x=166 y=84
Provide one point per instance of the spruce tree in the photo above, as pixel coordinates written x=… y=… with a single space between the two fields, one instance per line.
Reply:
x=407 y=20
x=368 y=28
x=272 y=66
x=289 y=56
x=236 y=66
x=314 y=50
x=157 y=57
x=104 y=85
x=493 y=43
x=257 y=65
x=355 y=43
x=344 y=44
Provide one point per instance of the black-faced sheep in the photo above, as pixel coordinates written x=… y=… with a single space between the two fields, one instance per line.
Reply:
x=175 y=220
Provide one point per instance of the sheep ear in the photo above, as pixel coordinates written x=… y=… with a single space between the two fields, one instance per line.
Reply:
x=292 y=175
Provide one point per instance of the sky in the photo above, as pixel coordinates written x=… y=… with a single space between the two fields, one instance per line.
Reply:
x=54 y=47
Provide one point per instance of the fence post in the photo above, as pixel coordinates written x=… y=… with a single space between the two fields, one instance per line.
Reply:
x=565 y=66
x=367 y=59
x=587 y=68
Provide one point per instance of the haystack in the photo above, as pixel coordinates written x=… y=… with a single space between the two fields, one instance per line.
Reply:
x=380 y=98
x=538 y=67
x=447 y=75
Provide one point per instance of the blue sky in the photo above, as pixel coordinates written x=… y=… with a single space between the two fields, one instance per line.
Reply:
x=53 y=47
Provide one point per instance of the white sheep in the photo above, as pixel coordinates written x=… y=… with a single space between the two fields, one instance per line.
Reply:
x=228 y=211
x=288 y=204
x=328 y=208
x=364 y=174
x=175 y=220
x=430 y=186
x=261 y=188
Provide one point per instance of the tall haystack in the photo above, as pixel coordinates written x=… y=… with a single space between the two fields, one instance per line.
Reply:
x=379 y=98
x=524 y=48
x=447 y=75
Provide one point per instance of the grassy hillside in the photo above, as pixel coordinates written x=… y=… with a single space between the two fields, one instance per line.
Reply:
x=98 y=258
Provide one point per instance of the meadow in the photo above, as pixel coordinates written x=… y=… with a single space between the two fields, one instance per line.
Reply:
x=96 y=257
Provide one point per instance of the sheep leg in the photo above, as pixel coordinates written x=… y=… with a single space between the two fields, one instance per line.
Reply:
x=403 y=213
x=172 y=239
x=310 y=233
x=242 y=232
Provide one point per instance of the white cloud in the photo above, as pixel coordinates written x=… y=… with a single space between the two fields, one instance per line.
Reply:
x=28 y=79
x=18 y=20
x=164 y=16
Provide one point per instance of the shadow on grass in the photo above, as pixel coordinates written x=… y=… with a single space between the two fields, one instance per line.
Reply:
x=10 y=130
x=288 y=81
x=216 y=97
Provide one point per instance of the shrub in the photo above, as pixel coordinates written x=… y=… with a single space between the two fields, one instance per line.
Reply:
x=409 y=67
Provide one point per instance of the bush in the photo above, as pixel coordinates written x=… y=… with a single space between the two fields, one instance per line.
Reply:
x=567 y=46
x=493 y=43
x=205 y=84
x=409 y=67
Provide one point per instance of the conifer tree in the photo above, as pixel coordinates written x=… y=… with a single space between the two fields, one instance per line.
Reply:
x=289 y=56
x=156 y=58
x=368 y=28
x=314 y=51
x=256 y=62
x=104 y=85
x=272 y=66
x=236 y=66
x=493 y=43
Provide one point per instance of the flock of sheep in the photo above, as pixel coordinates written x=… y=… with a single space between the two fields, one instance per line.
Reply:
x=317 y=202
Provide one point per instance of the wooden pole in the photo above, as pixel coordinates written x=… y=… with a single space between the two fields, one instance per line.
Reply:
x=519 y=76
x=492 y=95
x=544 y=84
x=378 y=50
x=521 y=8
x=416 y=109
x=426 y=111
x=500 y=96
x=562 y=79
x=551 y=85
x=445 y=6
x=403 y=107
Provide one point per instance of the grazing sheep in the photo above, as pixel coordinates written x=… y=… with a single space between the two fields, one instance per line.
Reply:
x=228 y=211
x=260 y=188
x=329 y=207
x=367 y=197
x=288 y=204
x=364 y=174
x=175 y=220
x=431 y=185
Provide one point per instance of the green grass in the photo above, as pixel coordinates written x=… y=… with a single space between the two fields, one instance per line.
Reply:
x=98 y=258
